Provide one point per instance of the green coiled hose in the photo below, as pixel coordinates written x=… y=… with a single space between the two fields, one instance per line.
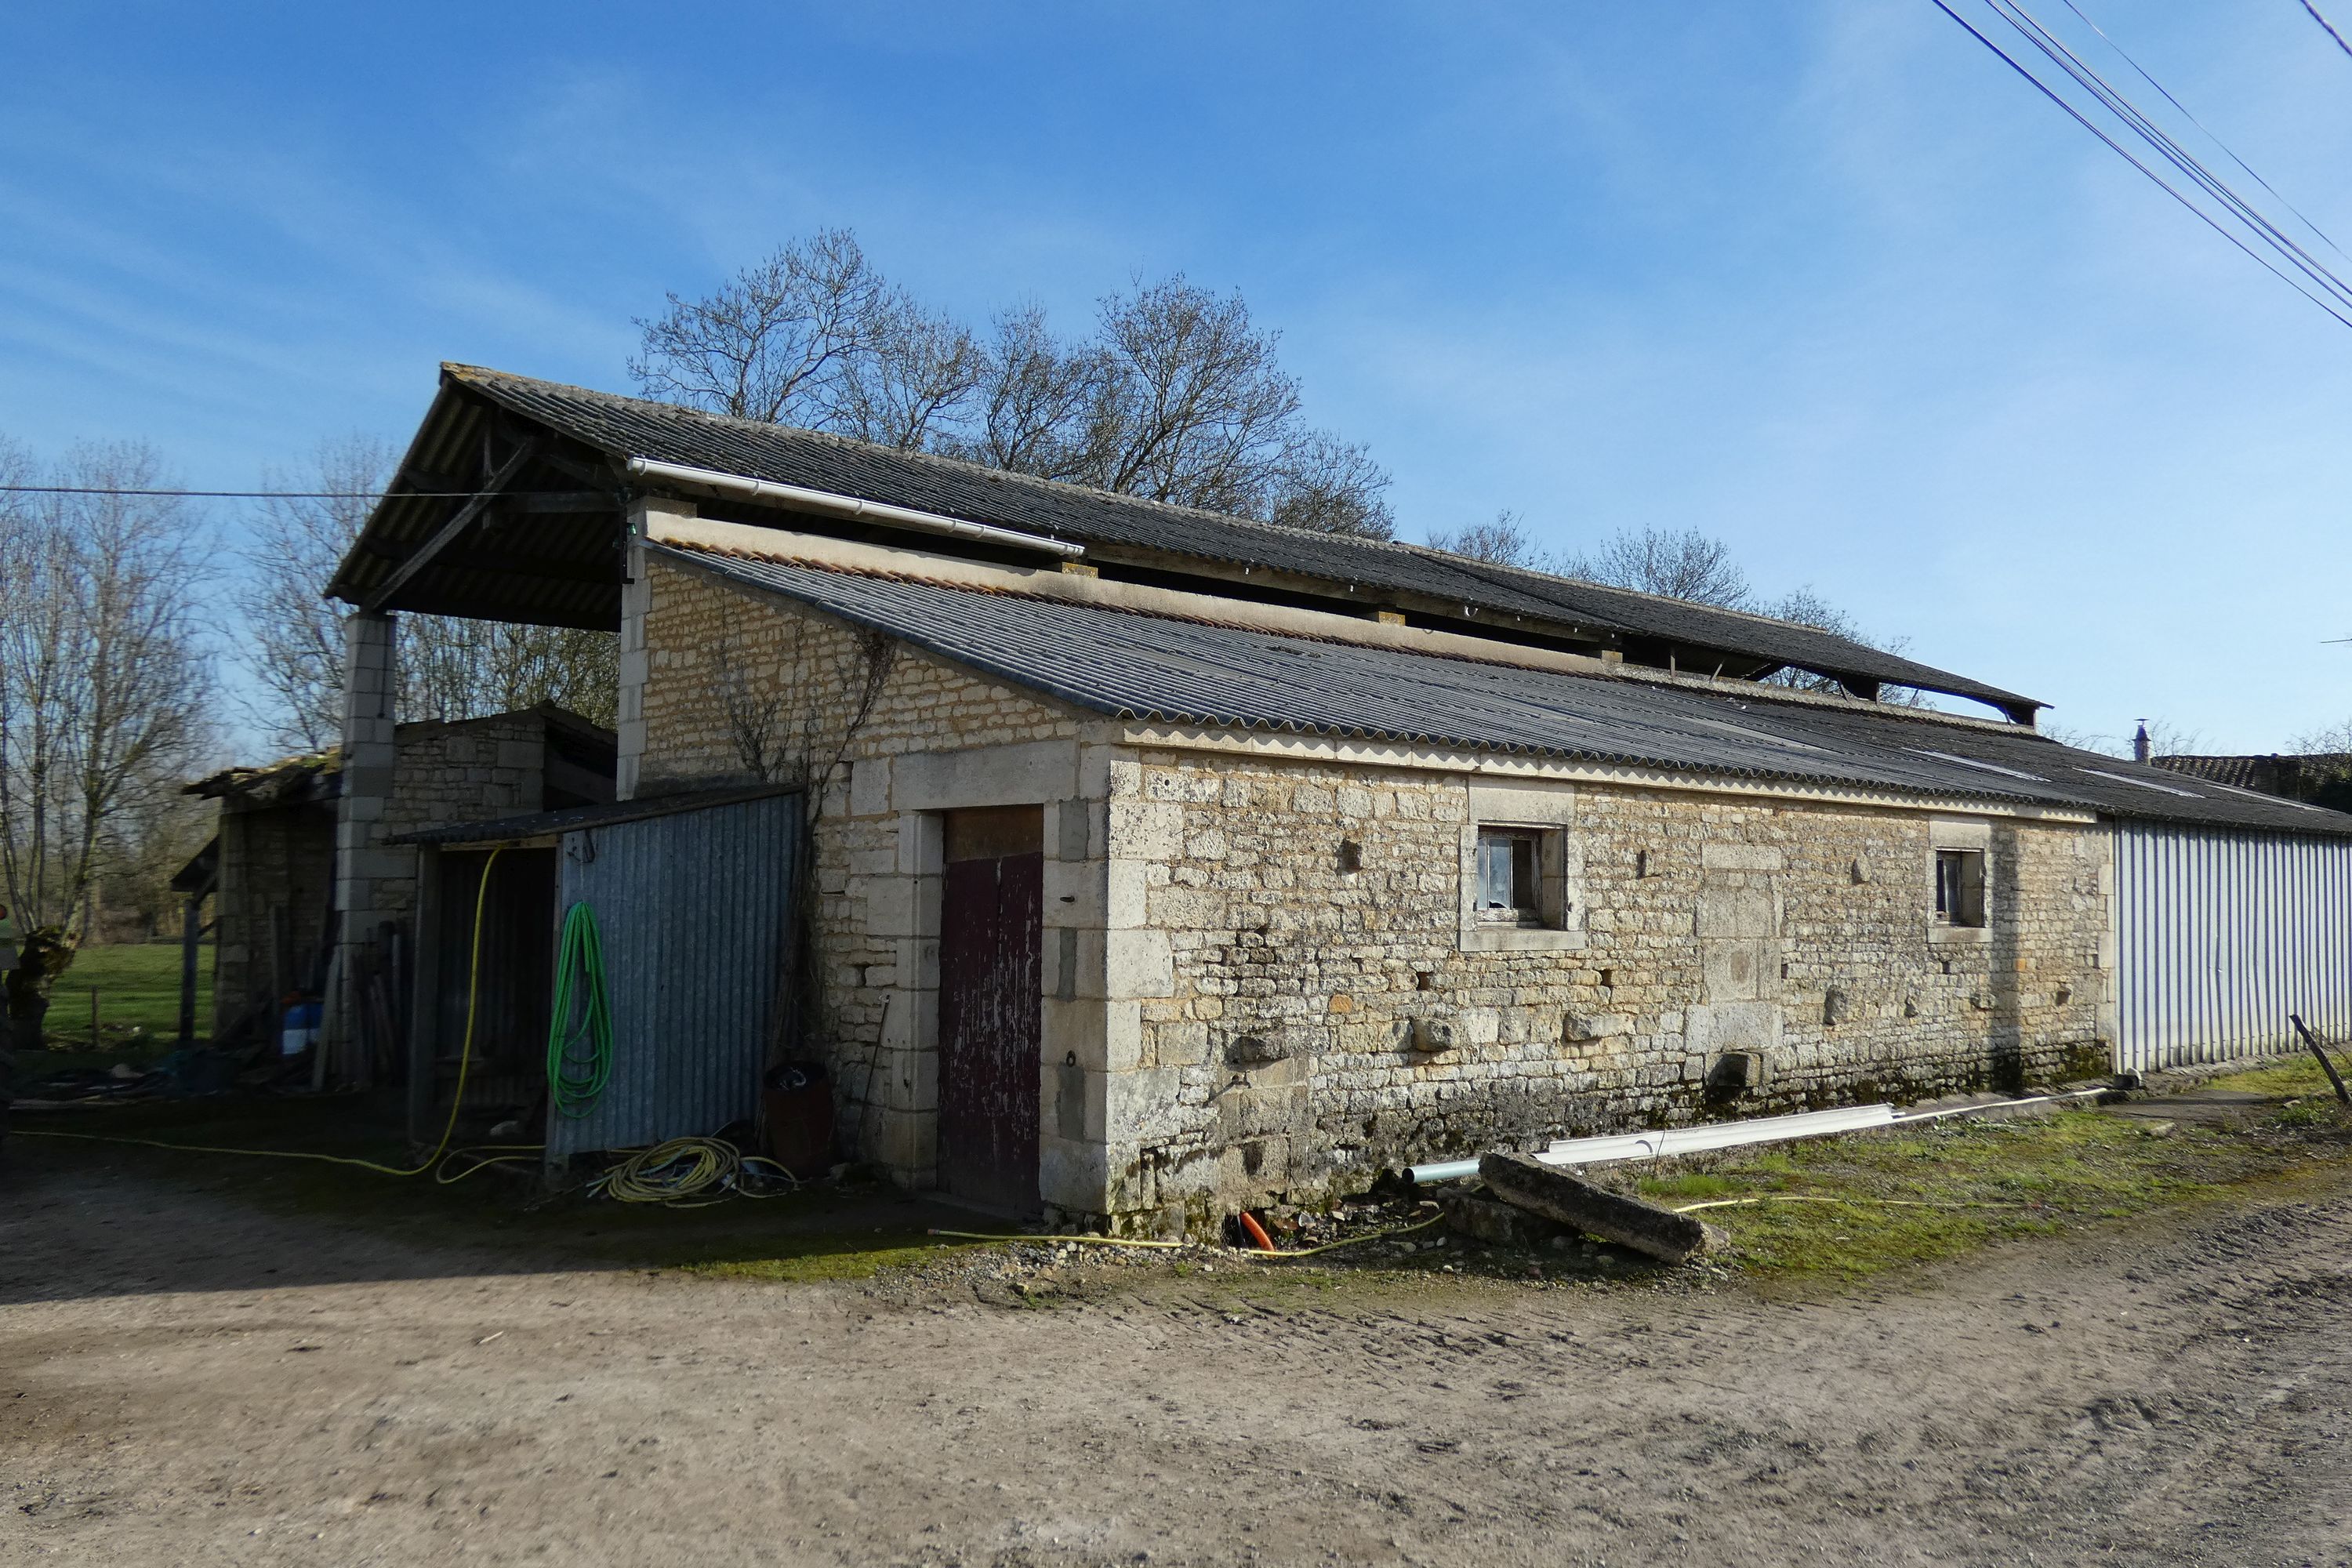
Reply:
x=579 y=1053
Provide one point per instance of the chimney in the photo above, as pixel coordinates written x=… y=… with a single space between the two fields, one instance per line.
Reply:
x=2140 y=747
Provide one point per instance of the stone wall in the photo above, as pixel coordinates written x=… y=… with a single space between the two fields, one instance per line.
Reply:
x=275 y=857
x=1284 y=1056
x=1232 y=1013
x=734 y=678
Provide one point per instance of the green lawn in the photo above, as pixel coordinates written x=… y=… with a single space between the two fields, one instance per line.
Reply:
x=138 y=990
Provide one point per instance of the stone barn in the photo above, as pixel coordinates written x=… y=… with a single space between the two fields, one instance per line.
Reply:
x=1165 y=863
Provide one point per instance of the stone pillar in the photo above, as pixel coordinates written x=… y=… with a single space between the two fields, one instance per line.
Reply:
x=1125 y=974
x=637 y=598
x=371 y=684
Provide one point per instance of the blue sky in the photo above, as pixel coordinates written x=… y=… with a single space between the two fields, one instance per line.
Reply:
x=1822 y=280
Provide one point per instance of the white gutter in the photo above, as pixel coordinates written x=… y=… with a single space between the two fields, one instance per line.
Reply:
x=1732 y=1134
x=801 y=498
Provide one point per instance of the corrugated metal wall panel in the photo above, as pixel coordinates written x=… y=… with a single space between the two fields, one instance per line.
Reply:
x=2220 y=936
x=693 y=910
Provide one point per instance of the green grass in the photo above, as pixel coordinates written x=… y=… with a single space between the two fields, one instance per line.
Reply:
x=1922 y=1196
x=2300 y=1076
x=138 y=989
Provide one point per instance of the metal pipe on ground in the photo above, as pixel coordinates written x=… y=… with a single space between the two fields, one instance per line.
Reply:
x=1653 y=1145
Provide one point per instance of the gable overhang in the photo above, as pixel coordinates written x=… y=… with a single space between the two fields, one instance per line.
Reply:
x=496 y=518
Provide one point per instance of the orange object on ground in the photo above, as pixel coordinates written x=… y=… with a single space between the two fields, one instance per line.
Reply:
x=1256 y=1232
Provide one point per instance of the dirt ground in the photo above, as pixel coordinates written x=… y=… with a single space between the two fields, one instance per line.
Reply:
x=185 y=1379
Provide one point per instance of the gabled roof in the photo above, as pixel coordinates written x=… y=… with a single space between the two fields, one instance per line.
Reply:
x=621 y=428
x=1145 y=668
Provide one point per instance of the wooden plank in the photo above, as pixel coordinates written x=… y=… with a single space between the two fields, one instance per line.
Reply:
x=422 y=556
x=2324 y=1065
x=1577 y=1204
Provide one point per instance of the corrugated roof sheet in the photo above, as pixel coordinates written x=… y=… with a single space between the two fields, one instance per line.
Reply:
x=627 y=427
x=1145 y=668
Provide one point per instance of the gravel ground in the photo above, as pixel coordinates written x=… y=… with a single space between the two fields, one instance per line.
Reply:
x=183 y=1380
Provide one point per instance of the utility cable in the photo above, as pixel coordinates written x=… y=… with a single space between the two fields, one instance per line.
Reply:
x=245 y=495
x=2014 y=13
x=2329 y=25
x=2200 y=125
x=689 y=1173
x=2125 y=153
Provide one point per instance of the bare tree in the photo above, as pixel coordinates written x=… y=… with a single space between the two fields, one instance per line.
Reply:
x=1329 y=485
x=452 y=668
x=292 y=635
x=777 y=340
x=2332 y=740
x=104 y=672
x=1502 y=542
x=1178 y=396
x=1035 y=404
x=1679 y=563
x=911 y=384
x=2165 y=738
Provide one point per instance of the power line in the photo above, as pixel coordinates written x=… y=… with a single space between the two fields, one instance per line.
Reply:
x=2158 y=180
x=245 y=495
x=2156 y=137
x=2328 y=25
x=2200 y=125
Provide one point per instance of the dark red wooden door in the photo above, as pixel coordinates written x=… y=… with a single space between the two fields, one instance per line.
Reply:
x=992 y=916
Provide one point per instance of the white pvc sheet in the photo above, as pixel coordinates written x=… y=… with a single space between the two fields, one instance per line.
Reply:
x=1658 y=1144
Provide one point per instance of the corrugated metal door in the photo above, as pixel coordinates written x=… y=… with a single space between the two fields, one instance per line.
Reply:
x=2220 y=936
x=693 y=910
x=991 y=936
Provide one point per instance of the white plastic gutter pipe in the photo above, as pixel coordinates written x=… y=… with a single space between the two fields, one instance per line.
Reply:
x=807 y=500
x=1731 y=1134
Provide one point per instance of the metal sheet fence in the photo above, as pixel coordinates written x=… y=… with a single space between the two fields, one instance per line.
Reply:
x=2220 y=935
x=693 y=910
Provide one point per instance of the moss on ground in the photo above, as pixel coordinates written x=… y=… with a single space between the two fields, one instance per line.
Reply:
x=1847 y=1208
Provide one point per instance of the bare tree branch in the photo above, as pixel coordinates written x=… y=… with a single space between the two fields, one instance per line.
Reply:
x=104 y=676
x=1178 y=396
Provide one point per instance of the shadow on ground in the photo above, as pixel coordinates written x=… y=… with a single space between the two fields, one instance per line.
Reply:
x=497 y=1220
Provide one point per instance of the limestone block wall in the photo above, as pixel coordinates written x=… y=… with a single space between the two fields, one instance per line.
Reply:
x=720 y=661
x=1277 y=994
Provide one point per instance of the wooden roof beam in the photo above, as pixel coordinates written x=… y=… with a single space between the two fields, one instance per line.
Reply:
x=424 y=556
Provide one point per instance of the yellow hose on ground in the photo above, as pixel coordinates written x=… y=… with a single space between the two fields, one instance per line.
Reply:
x=678 y=1174
x=457 y=1102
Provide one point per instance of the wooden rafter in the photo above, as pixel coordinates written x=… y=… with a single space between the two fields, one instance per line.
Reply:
x=422 y=556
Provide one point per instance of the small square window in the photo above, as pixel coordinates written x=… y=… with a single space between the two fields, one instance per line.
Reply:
x=1959 y=888
x=1510 y=876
